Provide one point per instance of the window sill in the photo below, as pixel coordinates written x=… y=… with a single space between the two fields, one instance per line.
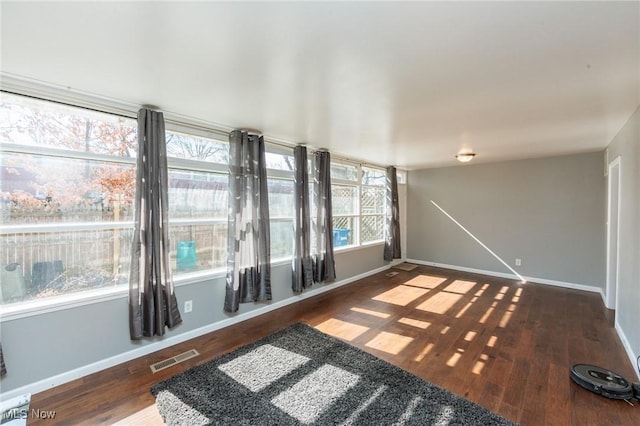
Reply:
x=56 y=303
x=353 y=247
x=72 y=300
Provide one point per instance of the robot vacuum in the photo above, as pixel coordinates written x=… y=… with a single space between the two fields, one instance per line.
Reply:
x=604 y=382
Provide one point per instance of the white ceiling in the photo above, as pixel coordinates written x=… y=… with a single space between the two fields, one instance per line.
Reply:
x=408 y=84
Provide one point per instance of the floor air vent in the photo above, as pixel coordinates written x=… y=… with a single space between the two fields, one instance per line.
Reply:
x=161 y=365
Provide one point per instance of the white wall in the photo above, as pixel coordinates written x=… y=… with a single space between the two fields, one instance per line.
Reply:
x=626 y=146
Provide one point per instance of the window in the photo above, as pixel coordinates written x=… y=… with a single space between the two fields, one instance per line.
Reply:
x=358 y=197
x=66 y=198
x=344 y=203
x=372 y=204
x=198 y=188
x=67 y=190
x=281 y=216
x=280 y=165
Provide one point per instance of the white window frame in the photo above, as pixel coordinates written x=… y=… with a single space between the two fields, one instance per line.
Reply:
x=357 y=183
x=362 y=214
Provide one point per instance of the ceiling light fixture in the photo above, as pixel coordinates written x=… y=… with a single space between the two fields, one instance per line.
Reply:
x=465 y=157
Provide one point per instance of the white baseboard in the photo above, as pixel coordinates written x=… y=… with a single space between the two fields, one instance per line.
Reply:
x=573 y=286
x=633 y=357
x=77 y=373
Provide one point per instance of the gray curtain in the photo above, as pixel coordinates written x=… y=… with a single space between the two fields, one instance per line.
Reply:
x=3 y=368
x=248 y=250
x=324 y=268
x=302 y=264
x=152 y=300
x=392 y=231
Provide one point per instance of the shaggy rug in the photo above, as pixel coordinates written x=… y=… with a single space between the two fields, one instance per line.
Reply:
x=301 y=376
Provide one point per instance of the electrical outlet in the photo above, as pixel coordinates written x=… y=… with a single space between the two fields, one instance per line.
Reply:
x=518 y=262
x=188 y=306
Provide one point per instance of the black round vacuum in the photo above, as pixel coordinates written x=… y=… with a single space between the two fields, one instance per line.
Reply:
x=603 y=382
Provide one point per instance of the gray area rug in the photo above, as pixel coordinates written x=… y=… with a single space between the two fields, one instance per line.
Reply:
x=301 y=376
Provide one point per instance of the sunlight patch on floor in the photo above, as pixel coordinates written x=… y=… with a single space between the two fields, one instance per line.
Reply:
x=426 y=281
x=439 y=303
x=506 y=317
x=148 y=416
x=492 y=341
x=390 y=343
x=463 y=310
x=342 y=329
x=487 y=314
x=424 y=352
x=408 y=412
x=482 y=289
x=445 y=330
x=251 y=372
x=363 y=406
x=445 y=416
x=315 y=393
x=370 y=312
x=455 y=358
x=470 y=336
x=460 y=286
x=516 y=298
x=480 y=363
x=414 y=322
x=401 y=295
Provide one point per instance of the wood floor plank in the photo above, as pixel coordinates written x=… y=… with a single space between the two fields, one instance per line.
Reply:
x=504 y=345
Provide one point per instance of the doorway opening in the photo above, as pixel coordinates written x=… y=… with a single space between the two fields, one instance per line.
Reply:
x=613 y=232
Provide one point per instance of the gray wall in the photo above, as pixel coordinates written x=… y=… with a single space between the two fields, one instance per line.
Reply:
x=549 y=212
x=42 y=346
x=626 y=145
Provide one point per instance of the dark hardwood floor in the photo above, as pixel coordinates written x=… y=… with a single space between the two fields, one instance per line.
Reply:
x=503 y=345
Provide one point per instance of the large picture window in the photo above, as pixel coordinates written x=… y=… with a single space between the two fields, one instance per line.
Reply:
x=66 y=197
x=67 y=187
x=198 y=188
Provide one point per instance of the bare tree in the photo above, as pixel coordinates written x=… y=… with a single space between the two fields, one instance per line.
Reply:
x=66 y=182
x=183 y=146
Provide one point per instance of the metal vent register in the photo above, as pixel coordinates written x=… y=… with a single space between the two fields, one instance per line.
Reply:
x=161 y=365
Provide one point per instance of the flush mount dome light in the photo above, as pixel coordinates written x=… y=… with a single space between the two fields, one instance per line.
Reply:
x=465 y=157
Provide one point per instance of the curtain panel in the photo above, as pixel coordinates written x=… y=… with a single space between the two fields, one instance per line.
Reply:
x=324 y=268
x=302 y=264
x=152 y=300
x=392 y=223
x=3 y=368
x=248 y=251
